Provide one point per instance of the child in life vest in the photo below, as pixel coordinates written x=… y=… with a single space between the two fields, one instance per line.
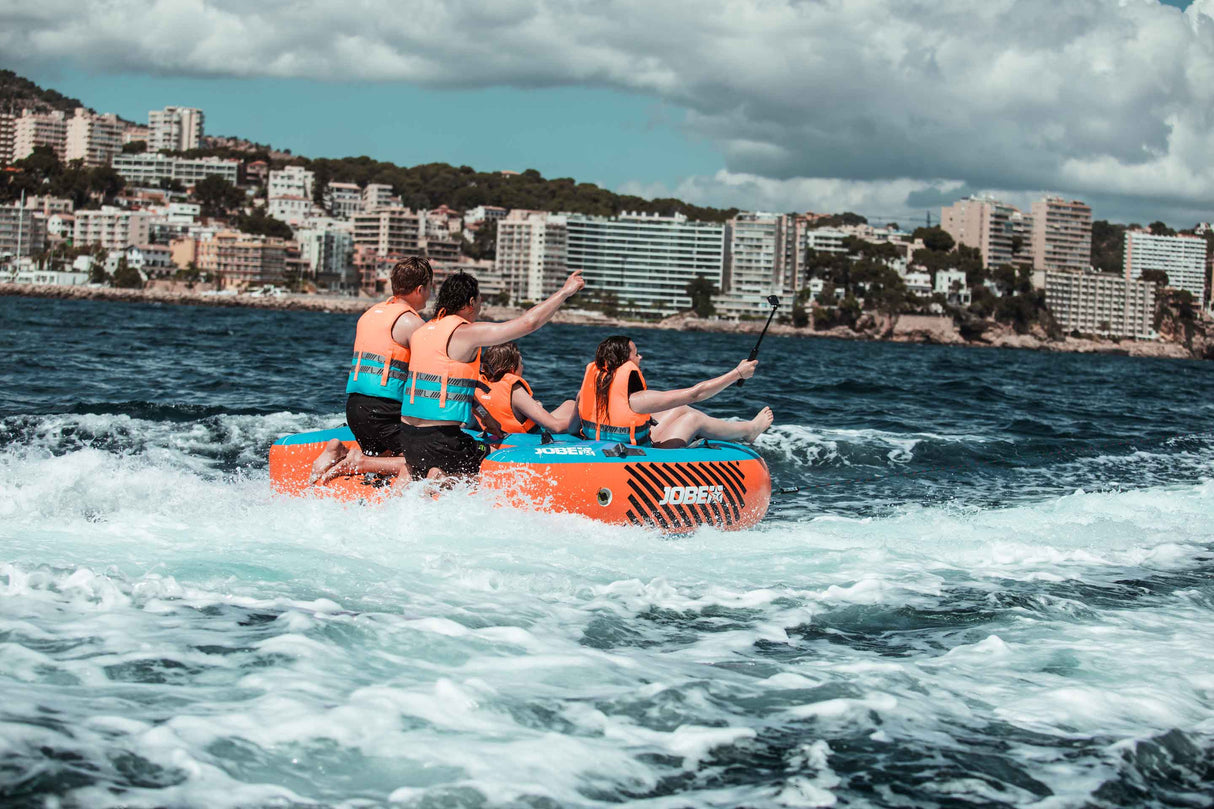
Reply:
x=504 y=400
x=615 y=404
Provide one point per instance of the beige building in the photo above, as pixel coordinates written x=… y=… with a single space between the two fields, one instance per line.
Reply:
x=1103 y=304
x=95 y=139
x=389 y=231
x=1000 y=231
x=754 y=264
x=175 y=128
x=531 y=254
x=240 y=260
x=1062 y=235
x=35 y=129
x=111 y=228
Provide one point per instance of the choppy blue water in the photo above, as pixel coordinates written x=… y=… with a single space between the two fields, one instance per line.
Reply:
x=993 y=589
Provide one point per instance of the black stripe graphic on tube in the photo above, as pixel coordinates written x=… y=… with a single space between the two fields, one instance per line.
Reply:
x=640 y=486
x=733 y=506
x=652 y=509
x=646 y=476
x=673 y=480
x=733 y=481
x=719 y=509
x=645 y=517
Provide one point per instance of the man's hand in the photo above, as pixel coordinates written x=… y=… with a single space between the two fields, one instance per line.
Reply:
x=746 y=368
x=573 y=283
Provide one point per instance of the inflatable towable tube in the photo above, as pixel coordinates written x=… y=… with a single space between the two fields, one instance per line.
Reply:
x=714 y=483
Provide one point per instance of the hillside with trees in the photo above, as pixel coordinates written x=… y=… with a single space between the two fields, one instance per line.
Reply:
x=18 y=93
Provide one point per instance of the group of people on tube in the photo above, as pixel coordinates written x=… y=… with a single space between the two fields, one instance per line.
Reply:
x=415 y=384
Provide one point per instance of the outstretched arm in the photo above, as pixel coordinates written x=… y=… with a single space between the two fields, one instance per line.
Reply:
x=655 y=401
x=561 y=420
x=467 y=339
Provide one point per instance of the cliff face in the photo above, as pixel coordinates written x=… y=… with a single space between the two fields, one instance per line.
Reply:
x=1179 y=322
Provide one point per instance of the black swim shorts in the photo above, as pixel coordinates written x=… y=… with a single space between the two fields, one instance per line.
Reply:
x=375 y=423
x=447 y=448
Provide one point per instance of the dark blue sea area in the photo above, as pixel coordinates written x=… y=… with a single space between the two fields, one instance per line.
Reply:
x=989 y=582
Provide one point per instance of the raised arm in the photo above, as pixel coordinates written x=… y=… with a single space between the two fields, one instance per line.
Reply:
x=655 y=401
x=561 y=420
x=467 y=339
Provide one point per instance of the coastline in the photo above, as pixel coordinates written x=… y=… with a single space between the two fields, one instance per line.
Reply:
x=929 y=329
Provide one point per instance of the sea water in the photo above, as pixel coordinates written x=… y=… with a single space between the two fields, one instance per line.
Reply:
x=993 y=587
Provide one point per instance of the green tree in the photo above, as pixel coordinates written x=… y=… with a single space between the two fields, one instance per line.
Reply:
x=701 y=290
x=1157 y=277
x=106 y=182
x=1161 y=229
x=800 y=317
x=126 y=276
x=217 y=196
x=935 y=238
x=261 y=224
x=135 y=147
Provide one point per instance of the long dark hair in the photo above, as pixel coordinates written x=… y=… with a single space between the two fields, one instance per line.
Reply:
x=610 y=355
x=456 y=292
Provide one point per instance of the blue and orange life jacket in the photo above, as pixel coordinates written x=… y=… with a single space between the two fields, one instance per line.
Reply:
x=440 y=388
x=495 y=413
x=620 y=422
x=380 y=366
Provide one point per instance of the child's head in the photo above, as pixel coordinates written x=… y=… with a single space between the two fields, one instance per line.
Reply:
x=497 y=361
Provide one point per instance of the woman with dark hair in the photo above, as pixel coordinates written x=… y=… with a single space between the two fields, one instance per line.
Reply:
x=615 y=404
x=504 y=402
x=444 y=366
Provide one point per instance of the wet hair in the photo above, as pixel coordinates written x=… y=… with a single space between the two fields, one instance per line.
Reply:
x=497 y=361
x=411 y=273
x=456 y=292
x=610 y=355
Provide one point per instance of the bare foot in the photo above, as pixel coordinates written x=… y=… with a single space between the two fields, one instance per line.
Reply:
x=351 y=464
x=333 y=452
x=760 y=423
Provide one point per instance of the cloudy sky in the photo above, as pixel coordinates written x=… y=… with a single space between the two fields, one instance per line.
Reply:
x=886 y=107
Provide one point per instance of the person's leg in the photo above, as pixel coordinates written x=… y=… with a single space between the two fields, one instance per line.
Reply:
x=330 y=456
x=355 y=462
x=682 y=425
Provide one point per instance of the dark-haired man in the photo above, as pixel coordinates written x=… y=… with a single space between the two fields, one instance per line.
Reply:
x=379 y=368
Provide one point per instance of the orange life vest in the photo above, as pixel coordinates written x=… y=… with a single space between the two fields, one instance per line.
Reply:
x=496 y=413
x=440 y=388
x=380 y=366
x=620 y=422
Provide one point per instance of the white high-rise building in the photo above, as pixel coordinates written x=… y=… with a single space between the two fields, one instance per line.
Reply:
x=35 y=129
x=647 y=260
x=379 y=195
x=95 y=139
x=389 y=231
x=1062 y=235
x=754 y=263
x=175 y=128
x=152 y=168
x=1104 y=304
x=291 y=181
x=329 y=254
x=343 y=199
x=1183 y=258
x=8 y=132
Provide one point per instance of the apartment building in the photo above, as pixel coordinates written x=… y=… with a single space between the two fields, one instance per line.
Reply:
x=111 y=228
x=95 y=139
x=35 y=129
x=1001 y=232
x=343 y=199
x=175 y=128
x=531 y=254
x=22 y=231
x=1103 y=304
x=240 y=260
x=1183 y=258
x=152 y=169
x=8 y=132
x=1062 y=235
x=290 y=208
x=379 y=195
x=647 y=260
x=328 y=254
x=389 y=231
x=291 y=181
x=754 y=262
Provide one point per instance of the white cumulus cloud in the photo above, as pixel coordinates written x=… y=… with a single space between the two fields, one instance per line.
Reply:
x=836 y=99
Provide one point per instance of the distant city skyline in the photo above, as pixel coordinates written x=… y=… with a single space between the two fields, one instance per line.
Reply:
x=784 y=108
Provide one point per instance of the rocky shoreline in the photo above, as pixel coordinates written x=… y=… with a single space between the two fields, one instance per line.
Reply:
x=935 y=330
